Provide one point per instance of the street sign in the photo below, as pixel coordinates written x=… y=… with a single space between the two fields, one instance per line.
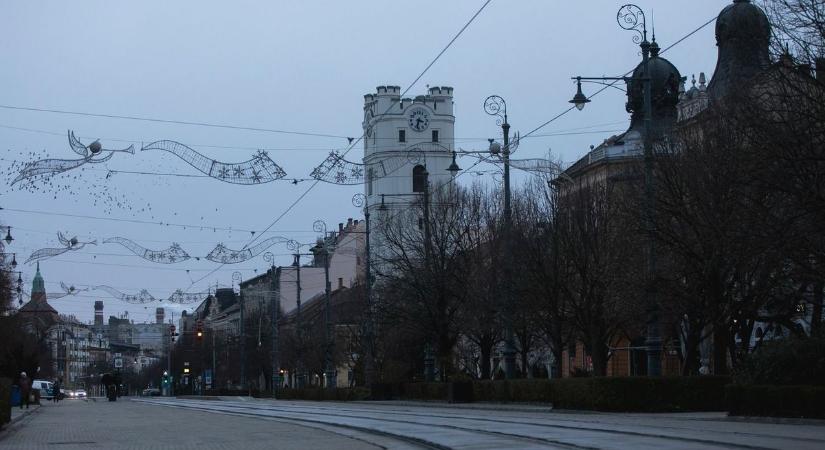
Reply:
x=118 y=363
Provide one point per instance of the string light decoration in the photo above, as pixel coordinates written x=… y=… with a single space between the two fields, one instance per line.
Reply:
x=143 y=296
x=67 y=290
x=68 y=245
x=258 y=170
x=537 y=165
x=93 y=153
x=171 y=255
x=224 y=255
x=337 y=170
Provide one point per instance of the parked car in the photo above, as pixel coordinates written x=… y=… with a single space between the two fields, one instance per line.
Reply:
x=151 y=392
x=46 y=388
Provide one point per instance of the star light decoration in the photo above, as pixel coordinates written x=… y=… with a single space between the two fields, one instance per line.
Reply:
x=224 y=255
x=258 y=170
x=72 y=244
x=143 y=296
x=219 y=254
x=171 y=255
x=337 y=170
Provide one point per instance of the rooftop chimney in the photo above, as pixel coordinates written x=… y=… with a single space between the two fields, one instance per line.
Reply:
x=98 y=313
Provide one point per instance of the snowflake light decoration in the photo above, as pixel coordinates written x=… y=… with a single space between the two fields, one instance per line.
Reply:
x=236 y=173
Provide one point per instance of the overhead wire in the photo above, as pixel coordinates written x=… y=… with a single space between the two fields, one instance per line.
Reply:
x=170 y=121
x=612 y=83
x=354 y=143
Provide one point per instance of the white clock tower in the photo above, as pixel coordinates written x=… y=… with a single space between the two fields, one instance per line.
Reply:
x=407 y=143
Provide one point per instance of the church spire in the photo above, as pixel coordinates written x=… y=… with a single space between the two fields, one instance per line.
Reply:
x=38 y=286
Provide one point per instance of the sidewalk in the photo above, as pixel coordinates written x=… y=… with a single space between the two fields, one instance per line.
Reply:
x=18 y=414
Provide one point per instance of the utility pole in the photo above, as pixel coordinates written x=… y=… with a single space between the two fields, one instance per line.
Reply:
x=369 y=363
x=243 y=343
x=299 y=332
x=274 y=307
x=214 y=372
x=329 y=334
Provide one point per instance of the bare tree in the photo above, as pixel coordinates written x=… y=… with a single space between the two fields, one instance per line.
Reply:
x=597 y=246
x=425 y=270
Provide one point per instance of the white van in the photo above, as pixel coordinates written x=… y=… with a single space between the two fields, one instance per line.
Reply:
x=46 y=388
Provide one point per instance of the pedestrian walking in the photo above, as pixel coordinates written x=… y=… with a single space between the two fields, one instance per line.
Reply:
x=56 y=391
x=25 y=389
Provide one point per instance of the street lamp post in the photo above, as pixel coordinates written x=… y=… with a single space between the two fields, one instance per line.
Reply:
x=359 y=200
x=329 y=335
x=300 y=377
x=630 y=17
x=274 y=306
x=236 y=277
x=8 y=237
x=494 y=105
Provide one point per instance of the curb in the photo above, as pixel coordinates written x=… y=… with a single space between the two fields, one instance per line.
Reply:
x=16 y=421
x=26 y=412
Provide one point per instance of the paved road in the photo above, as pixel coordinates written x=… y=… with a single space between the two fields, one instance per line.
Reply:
x=75 y=425
x=161 y=423
x=444 y=427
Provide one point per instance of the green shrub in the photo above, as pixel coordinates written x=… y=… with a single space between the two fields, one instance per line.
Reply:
x=5 y=401
x=789 y=361
x=776 y=401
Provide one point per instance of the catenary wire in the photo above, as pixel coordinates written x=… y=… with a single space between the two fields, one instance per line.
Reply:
x=353 y=144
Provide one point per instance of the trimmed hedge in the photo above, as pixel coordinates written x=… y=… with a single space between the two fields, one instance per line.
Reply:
x=5 y=401
x=637 y=394
x=776 y=401
x=323 y=394
x=423 y=391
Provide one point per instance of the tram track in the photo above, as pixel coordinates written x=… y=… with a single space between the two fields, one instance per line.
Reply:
x=530 y=431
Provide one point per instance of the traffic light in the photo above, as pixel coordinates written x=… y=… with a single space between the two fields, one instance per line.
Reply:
x=165 y=378
x=172 y=333
x=199 y=330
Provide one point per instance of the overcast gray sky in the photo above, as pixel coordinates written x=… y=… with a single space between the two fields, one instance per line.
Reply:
x=288 y=65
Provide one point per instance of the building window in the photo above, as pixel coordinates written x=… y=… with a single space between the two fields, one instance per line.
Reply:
x=435 y=135
x=419 y=178
x=402 y=135
x=370 y=176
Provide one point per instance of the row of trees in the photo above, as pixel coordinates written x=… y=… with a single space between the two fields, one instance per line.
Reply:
x=24 y=347
x=739 y=211
x=740 y=243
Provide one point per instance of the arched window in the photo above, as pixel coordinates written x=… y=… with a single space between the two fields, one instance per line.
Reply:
x=370 y=176
x=419 y=176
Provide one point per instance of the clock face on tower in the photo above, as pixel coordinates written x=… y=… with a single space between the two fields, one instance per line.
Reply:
x=418 y=119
